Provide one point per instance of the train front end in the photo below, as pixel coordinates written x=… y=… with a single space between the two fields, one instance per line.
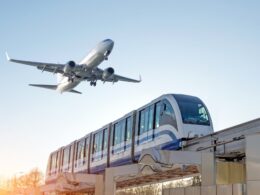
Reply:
x=194 y=118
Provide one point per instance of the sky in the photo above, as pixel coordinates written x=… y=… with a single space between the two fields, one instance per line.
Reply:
x=209 y=49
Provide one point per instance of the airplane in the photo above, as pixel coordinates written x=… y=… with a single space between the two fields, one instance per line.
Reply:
x=71 y=73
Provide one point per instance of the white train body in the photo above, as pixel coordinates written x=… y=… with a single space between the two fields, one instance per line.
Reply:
x=164 y=123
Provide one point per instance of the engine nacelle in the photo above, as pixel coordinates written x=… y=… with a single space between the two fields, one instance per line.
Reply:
x=108 y=73
x=69 y=66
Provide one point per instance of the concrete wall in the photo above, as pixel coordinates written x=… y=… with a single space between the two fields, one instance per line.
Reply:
x=230 y=173
x=235 y=189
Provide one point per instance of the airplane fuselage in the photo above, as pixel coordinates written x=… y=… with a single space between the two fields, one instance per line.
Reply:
x=95 y=57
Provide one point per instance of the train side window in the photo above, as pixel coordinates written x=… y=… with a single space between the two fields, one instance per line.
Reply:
x=80 y=149
x=151 y=116
x=97 y=144
x=157 y=114
x=66 y=153
x=57 y=160
x=128 y=128
x=167 y=114
x=141 y=121
x=119 y=132
x=71 y=154
x=87 y=147
x=53 y=161
x=146 y=119
x=105 y=139
x=49 y=165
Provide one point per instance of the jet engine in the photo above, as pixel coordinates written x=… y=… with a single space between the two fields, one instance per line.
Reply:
x=108 y=73
x=69 y=66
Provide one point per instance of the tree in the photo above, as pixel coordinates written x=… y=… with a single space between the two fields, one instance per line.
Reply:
x=26 y=183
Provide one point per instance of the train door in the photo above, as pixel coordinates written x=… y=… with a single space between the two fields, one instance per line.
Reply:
x=81 y=156
x=146 y=124
x=99 y=151
x=121 y=141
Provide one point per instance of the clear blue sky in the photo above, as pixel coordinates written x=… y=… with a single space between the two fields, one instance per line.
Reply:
x=209 y=49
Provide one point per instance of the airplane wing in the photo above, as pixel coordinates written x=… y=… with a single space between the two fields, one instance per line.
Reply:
x=121 y=78
x=115 y=77
x=50 y=67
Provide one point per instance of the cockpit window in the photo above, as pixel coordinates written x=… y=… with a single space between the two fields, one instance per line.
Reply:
x=192 y=110
x=106 y=40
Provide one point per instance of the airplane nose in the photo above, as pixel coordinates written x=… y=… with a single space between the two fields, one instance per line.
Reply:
x=111 y=44
x=106 y=45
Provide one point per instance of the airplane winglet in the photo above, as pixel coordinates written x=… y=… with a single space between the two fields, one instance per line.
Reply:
x=7 y=56
x=140 y=78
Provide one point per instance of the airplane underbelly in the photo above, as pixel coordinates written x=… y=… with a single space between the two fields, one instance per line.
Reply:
x=95 y=60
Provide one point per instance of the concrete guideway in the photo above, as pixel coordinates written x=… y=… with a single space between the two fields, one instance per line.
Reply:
x=228 y=143
x=123 y=175
x=251 y=185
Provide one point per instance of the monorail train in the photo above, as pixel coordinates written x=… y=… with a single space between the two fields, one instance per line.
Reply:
x=164 y=123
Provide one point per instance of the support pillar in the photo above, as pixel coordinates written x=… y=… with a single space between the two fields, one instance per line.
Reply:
x=253 y=164
x=99 y=185
x=208 y=169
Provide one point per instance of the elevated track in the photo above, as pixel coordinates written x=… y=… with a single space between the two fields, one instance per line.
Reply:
x=228 y=143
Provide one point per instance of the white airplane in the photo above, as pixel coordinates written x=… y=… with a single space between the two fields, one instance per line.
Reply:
x=71 y=74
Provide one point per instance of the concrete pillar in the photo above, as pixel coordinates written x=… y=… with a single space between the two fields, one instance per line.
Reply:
x=99 y=185
x=208 y=169
x=110 y=184
x=253 y=164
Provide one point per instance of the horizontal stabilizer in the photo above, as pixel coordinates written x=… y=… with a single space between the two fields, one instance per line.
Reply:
x=53 y=87
x=74 y=91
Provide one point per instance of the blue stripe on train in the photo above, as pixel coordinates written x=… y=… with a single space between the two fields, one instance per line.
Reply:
x=139 y=142
x=101 y=168
x=172 y=145
x=168 y=146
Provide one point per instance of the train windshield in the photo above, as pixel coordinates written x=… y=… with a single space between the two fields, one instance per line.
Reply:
x=192 y=110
